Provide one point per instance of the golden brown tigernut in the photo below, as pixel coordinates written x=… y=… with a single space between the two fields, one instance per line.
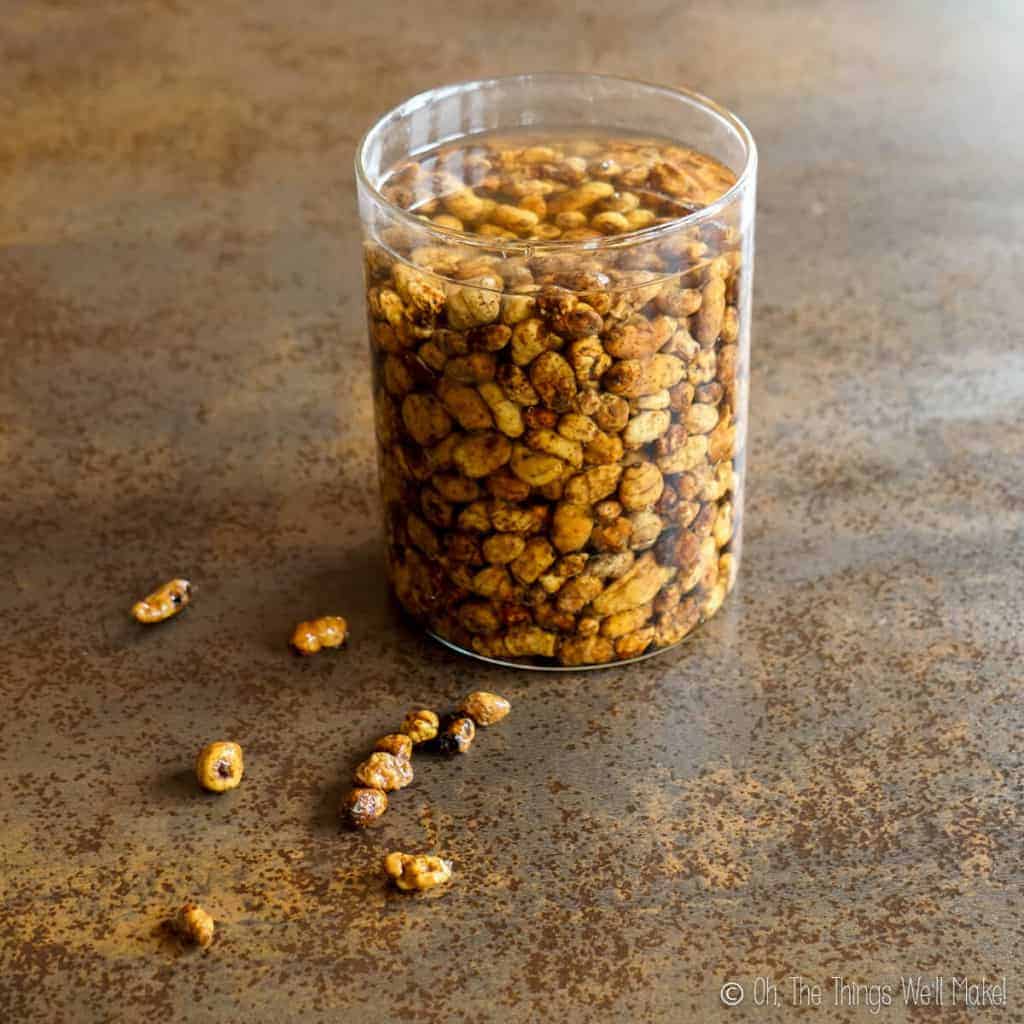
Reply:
x=164 y=602
x=364 y=805
x=194 y=924
x=396 y=743
x=417 y=872
x=328 y=631
x=420 y=725
x=219 y=766
x=384 y=771
x=457 y=736
x=485 y=708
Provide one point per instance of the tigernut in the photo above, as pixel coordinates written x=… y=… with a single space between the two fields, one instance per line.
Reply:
x=194 y=925
x=420 y=725
x=417 y=872
x=384 y=771
x=219 y=766
x=457 y=736
x=485 y=708
x=396 y=743
x=328 y=631
x=364 y=805
x=164 y=602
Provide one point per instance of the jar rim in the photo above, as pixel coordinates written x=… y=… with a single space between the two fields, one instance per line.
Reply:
x=532 y=247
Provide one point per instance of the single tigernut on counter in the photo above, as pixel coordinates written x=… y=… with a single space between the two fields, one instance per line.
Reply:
x=384 y=771
x=485 y=708
x=457 y=736
x=363 y=806
x=417 y=872
x=194 y=925
x=420 y=725
x=219 y=766
x=164 y=602
x=327 y=631
x=396 y=743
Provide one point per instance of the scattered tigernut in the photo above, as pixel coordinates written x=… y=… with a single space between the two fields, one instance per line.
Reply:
x=328 y=631
x=194 y=925
x=396 y=743
x=364 y=805
x=164 y=602
x=485 y=708
x=560 y=427
x=417 y=872
x=457 y=736
x=420 y=725
x=384 y=771
x=219 y=766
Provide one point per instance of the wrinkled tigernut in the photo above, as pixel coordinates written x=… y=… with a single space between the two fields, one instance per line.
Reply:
x=327 y=631
x=479 y=455
x=219 y=766
x=554 y=381
x=585 y=650
x=418 y=872
x=164 y=602
x=558 y=427
x=384 y=771
x=485 y=708
x=363 y=806
x=635 y=587
x=420 y=725
x=194 y=924
x=470 y=306
x=396 y=743
x=641 y=486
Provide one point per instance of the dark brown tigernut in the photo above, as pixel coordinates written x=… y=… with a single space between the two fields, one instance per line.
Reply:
x=457 y=736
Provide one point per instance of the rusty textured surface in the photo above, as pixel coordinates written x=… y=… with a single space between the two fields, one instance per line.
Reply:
x=825 y=780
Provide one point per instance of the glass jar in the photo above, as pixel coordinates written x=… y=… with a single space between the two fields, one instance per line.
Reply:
x=558 y=277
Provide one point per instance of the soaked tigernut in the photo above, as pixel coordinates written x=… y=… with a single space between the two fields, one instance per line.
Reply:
x=219 y=766
x=417 y=872
x=364 y=805
x=457 y=736
x=384 y=771
x=328 y=631
x=420 y=725
x=194 y=925
x=485 y=708
x=164 y=602
x=396 y=743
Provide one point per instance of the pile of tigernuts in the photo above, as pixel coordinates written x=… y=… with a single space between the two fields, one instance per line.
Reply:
x=389 y=768
x=559 y=430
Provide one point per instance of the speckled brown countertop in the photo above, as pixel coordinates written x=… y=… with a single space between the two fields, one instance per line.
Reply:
x=825 y=781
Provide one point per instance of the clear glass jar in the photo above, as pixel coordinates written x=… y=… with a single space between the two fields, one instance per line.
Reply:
x=560 y=373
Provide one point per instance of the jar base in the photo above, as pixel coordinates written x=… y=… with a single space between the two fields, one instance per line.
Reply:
x=529 y=667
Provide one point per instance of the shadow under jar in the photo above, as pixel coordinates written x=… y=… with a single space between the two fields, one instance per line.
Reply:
x=558 y=275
